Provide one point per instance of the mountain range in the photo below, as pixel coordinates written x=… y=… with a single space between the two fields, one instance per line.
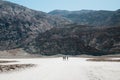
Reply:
x=99 y=18
x=59 y=31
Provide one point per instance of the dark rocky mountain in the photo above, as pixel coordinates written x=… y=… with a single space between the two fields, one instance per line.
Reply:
x=20 y=25
x=77 y=39
x=42 y=33
x=90 y=17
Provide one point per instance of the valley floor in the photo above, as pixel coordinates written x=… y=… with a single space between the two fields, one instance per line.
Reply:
x=57 y=69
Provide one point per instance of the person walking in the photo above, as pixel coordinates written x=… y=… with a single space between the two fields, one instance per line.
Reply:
x=64 y=58
x=67 y=57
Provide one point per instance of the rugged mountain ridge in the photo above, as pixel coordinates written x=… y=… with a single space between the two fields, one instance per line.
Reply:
x=20 y=25
x=101 y=18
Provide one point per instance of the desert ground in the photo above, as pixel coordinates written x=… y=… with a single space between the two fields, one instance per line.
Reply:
x=57 y=69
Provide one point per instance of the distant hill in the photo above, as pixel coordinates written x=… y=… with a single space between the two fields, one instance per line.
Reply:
x=91 y=17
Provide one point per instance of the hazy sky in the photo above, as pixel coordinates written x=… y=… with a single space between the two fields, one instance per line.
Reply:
x=49 y=5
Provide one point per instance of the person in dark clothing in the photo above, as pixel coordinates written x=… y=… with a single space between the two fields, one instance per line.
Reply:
x=67 y=57
x=64 y=58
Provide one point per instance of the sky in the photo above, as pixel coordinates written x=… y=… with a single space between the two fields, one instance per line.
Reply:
x=72 y=5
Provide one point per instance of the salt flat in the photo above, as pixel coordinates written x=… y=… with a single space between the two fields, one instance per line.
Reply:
x=57 y=69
